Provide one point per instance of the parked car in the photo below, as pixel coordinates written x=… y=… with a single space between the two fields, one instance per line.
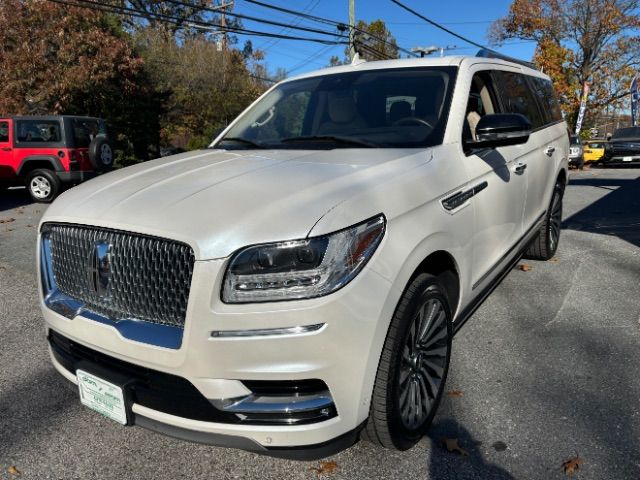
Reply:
x=623 y=148
x=46 y=152
x=593 y=150
x=576 y=152
x=297 y=285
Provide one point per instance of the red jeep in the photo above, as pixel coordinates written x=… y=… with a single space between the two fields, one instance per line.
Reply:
x=46 y=152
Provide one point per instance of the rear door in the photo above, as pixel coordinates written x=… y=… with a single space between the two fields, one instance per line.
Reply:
x=553 y=152
x=534 y=157
x=7 y=167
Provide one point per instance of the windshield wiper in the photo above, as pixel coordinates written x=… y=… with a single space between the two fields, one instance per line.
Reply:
x=329 y=138
x=242 y=140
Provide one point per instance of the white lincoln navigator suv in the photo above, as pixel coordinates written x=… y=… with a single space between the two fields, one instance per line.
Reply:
x=297 y=285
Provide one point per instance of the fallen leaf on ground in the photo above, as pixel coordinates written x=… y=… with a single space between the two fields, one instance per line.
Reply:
x=499 y=446
x=451 y=444
x=13 y=470
x=7 y=220
x=325 y=467
x=455 y=393
x=525 y=267
x=554 y=260
x=571 y=465
x=29 y=225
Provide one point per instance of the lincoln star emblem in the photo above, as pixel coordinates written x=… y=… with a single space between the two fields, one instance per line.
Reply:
x=99 y=268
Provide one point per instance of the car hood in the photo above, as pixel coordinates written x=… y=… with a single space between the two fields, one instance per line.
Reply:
x=219 y=201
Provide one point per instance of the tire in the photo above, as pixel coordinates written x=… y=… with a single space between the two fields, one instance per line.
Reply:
x=545 y=244
x=101 y=154
x=411 y=370
x=43 y=185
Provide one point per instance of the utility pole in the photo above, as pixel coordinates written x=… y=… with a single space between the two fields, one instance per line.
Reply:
x=223 y=24
x=352 y=32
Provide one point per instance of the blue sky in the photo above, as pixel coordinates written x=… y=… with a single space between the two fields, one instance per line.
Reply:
x=470 y=18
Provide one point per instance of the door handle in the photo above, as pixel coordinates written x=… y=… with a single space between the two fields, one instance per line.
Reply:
x=6 y=149
x=549 y=150
x=520 y=168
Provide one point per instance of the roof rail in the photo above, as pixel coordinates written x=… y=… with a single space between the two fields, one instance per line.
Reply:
x=487 y=53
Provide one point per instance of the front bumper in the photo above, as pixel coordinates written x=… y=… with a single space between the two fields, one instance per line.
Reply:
x=343 y=354
x=576 y=160
x=621 y=160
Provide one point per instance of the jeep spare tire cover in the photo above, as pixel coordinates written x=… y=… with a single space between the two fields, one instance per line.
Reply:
x=101 y=153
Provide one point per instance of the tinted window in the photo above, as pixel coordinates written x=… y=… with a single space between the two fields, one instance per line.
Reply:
x=627 y=132
x=518 y=97
x=84 y=130
x=548 y=100
x=380 y=108
x=575 y=140
x=39 y=131
x=4 y=131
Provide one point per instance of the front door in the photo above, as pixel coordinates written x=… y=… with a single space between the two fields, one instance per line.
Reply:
x=499 y=187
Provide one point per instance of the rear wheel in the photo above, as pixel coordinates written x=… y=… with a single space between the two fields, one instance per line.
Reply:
x=545 y=244
x=43 y=185
x=413 y=366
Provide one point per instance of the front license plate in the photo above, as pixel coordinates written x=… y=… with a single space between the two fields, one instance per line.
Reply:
x=102 y=396
x=627 y=159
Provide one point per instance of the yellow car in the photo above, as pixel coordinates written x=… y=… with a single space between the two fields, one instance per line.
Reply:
x=593 y=151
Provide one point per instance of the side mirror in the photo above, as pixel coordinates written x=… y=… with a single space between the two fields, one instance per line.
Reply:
x=501 y=130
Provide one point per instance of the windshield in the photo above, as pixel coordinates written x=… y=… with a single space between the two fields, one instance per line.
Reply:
x=376 y=108
x=575 y=140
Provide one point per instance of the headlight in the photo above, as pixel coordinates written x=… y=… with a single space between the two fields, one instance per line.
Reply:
x=297 y=269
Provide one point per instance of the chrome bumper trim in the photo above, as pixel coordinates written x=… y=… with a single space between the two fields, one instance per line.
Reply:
x=276 y=404
x=268 y=332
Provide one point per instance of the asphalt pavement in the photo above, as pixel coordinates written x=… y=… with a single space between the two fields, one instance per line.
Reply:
x=545 y=371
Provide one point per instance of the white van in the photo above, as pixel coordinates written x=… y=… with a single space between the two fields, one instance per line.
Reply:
x=297 y=285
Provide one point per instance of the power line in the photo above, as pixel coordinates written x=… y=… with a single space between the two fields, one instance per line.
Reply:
x=441 y=27
x=477 y=22
x=94 y=5
x=305 y=62
x=328 y=22
x=272 y=42
x=256 y=19
x=264 y=79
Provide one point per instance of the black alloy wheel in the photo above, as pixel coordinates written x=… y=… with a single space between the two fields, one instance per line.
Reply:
x=413 y=366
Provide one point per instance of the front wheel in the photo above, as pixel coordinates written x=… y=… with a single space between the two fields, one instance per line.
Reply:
x=545 y=244
x=413 y=366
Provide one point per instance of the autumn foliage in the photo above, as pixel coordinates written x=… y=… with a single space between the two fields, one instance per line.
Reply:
x=66 y=60
x=157 y=84
x=579 y=40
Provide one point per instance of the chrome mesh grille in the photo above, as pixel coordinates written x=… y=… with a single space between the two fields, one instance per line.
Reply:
x=150 y=276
